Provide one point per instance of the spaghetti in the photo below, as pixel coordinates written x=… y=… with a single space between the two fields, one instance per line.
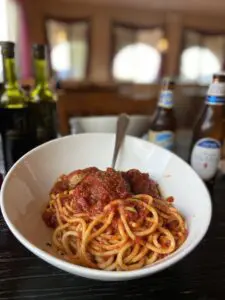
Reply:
x=126 y=234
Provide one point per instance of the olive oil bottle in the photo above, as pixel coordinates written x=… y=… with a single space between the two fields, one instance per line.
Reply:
x=43 y=100
x=16 y=130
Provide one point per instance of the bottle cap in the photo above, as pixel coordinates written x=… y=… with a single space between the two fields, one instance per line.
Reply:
x=39 y=51
x=219 y=77
x=7 y=49
x=216 y=91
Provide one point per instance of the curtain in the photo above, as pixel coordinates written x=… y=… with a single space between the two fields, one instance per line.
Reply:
x=69 y=45
x=122 y=37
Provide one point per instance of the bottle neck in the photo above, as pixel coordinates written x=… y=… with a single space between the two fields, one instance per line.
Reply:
x=41 y=72
x=9 y=72
x=166 y=99
x=215 y=110
x=216 y=94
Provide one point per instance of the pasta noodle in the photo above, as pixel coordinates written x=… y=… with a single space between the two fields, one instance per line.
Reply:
x=127 y=234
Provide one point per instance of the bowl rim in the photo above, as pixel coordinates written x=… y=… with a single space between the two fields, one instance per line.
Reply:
x=89 y=272
x=144 y=117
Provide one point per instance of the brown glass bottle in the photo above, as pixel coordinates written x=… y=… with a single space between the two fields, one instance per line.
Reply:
x=163 y=125
x=208 y=133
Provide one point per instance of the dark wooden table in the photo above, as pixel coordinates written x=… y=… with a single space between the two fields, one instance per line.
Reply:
x=200 y=276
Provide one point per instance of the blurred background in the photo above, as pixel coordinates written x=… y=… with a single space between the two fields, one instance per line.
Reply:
x=112 y=41
x=109 y=56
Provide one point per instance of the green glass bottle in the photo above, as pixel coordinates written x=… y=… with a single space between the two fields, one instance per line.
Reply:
x=43 y=100
x=17 y=135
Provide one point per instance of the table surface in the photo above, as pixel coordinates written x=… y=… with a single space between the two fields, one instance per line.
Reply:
x=199 y=276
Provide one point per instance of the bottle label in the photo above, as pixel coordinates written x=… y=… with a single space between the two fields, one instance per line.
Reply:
x=44 y=114
x=166 y=99
x=215 y=100
x=163 y=139
x=205 y=157
x=216 y=89
x=17 y=134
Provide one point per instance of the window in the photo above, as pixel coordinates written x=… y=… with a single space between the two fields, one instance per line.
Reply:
x=202 y=56
x=137 y=54
x=138 y=63
x=69 y=47
x=198 y=64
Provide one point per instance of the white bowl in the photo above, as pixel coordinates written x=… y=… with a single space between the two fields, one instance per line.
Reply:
x=138 y=124
x=25 y=191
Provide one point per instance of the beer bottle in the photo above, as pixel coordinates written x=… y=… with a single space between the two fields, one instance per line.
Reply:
x=43 y=100
x=208 y=132
x=163 y=125
x=17 y=135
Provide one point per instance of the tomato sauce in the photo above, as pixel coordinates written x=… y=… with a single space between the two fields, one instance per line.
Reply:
x=90 y=189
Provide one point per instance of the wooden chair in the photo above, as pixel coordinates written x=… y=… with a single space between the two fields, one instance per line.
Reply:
x=98 y=104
